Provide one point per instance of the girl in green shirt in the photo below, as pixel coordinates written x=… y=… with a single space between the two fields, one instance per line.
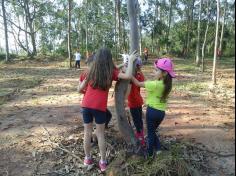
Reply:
x=157 y=94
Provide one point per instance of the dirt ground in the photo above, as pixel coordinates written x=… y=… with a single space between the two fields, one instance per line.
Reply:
x=198 y=113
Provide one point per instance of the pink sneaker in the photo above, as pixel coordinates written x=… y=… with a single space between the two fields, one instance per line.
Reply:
x=103 y=166
x=88 y=161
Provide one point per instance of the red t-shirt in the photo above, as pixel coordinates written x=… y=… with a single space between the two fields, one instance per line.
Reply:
x=97 y=98
x=135 y=99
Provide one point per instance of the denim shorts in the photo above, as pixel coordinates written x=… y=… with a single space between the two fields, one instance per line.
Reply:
x=90 y=114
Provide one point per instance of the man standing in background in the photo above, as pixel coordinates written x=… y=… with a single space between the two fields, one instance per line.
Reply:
x=77 y=59
x=145 y=54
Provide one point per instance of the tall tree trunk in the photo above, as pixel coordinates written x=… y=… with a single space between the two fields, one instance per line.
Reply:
x=124 y=36
x=33 y=41
x=121 y=86
x=169 y=25
x=86 y=30
x=30 y=20
x=69 y=32
x=155 y=20
x=5 y=30
x=205 y=37
x=186 y=40
x=190 y=26
x=115 y=21
x=222 y=30
x=26 y=35
x=216 y=43
x=198 y=35
x=119 y=24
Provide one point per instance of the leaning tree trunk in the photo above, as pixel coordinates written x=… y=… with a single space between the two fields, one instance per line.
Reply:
x=216 y=43
x=121 y=86
x=69 y=32
x=5 y=30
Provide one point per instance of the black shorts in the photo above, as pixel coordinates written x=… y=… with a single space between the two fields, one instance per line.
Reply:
x=89 y=114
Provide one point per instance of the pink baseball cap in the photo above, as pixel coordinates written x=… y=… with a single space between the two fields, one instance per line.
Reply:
x=166 y=65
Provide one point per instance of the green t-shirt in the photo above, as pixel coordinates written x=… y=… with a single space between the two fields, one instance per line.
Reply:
x=154 y=91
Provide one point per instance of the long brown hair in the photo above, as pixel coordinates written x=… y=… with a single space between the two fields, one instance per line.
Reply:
x=101 y=70
x=168 y=87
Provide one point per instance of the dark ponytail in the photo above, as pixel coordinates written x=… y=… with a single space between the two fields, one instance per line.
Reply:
x=167 y=89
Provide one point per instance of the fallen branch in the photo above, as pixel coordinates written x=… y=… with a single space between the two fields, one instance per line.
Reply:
x=58 y=145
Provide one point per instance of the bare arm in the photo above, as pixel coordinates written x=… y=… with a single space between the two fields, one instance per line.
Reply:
x=129 y=70
x=81 y=86
x=137 y=83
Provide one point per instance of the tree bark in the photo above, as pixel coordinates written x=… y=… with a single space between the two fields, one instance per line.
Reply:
x=30 y=20
x=216 y=43
x=86 y=30
x=169 y=25
x=5 y=30
x=121 y=86
x=222 y=30
x=205 y=37
x=69 y=32
x=198 y=36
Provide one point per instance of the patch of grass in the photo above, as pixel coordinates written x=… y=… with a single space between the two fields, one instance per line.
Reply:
x=20 y=83
x=196 y=87
x=10 y=86
x=167 y=163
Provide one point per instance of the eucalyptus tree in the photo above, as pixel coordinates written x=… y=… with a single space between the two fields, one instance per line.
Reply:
x=190 y=16
x=216 y=43
x=222 y=28
x=121 y=87
x=5 y=29
x=199 y=33
x=30 y=12
x=205 y=36
x=69 y=31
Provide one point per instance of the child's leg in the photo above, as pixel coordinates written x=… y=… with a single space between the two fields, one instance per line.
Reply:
x=154 y=119
x=150 y=131
x=137 y=118
x=158 y=122
x=100 y=119
x=108 y=118
x=79 y=64
x=88 y=129
x=100 y=128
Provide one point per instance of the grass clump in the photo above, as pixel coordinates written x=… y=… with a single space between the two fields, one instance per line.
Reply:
x=169 y=163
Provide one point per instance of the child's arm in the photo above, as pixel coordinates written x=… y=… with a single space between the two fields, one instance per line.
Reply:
x=81 y=86
x=129 y=70
x=138 y=83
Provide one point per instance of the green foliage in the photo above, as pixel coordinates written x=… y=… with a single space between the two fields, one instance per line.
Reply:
x=97 y=20
x=3 y=56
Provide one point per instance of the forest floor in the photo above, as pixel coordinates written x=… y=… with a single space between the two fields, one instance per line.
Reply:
x=40 y=117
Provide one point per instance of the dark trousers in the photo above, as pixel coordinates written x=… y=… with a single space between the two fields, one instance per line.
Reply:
x=154 y=118
x=145 y=57
x=108 y=118
x=137 y=118
x=77 y=64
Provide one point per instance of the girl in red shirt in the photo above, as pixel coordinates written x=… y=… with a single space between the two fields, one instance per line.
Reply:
x=135 y=102
x=99 y=80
